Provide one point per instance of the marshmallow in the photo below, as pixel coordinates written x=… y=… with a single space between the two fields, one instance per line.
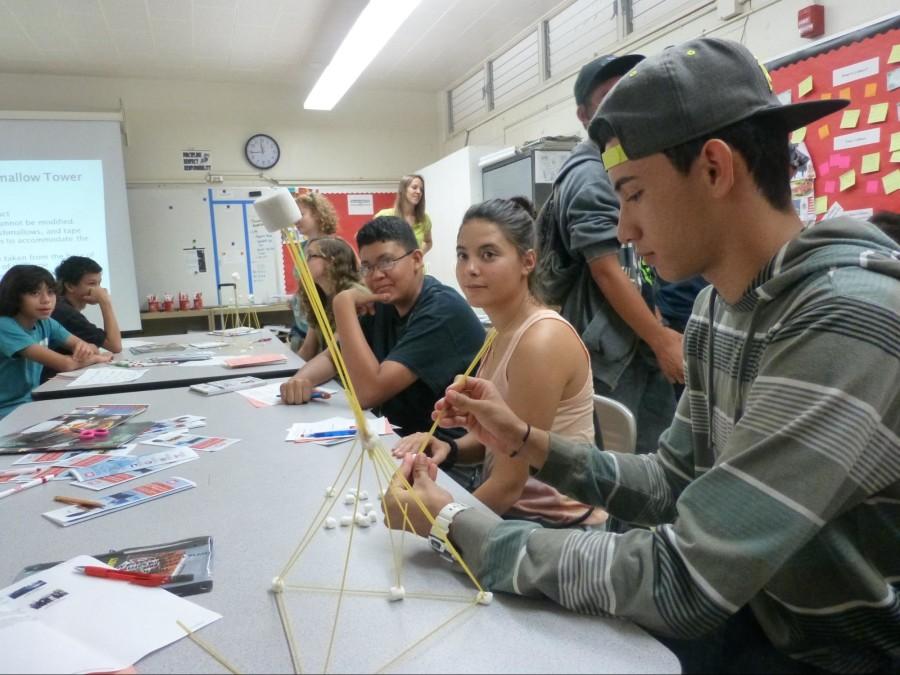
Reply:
x=277 y=211
x=396 y=593
x=330 y=523
x=484 y=598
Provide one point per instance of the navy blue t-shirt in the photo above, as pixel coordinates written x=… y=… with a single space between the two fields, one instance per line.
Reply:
x=436 y=340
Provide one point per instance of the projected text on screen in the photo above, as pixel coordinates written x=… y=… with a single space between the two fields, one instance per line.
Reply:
x=50 y=210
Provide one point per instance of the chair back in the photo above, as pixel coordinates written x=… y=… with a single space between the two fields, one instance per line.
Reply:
x=617 y=424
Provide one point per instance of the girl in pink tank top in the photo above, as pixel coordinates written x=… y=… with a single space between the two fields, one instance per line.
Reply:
x=537 y=361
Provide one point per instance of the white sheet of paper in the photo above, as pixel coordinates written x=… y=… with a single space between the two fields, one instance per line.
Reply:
x=855 y=71
x=300 y=431
x=72 y=374
x=128 y=343
x=106 y=376
x=65 y=635
x=266 y=395
x=857 y=138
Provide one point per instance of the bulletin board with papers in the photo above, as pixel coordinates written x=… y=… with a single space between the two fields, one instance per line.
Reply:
x=854 y=153
x=354 y=209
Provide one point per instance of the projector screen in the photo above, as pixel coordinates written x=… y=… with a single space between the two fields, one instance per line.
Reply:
x=62 y=193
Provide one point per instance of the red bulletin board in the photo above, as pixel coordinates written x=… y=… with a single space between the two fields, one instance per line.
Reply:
x=348 y=225
x=856 y=153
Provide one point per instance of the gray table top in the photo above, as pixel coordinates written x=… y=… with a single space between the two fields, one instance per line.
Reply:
x=256 y=499
x=161 y=377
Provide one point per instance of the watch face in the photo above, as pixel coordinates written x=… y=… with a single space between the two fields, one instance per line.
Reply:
x=262 y=151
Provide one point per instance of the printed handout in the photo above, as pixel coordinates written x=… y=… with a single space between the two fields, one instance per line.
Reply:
x=179 y=439
x=95 y=376
x=144 y=466
x=70 y=515
x=50 y=621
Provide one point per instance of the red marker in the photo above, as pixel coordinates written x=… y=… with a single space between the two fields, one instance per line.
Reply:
x=139 y=578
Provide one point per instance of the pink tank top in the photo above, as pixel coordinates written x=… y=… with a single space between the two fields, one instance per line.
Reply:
x=574 y=421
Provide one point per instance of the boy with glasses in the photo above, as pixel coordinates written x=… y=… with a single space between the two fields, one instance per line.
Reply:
x=403 y=341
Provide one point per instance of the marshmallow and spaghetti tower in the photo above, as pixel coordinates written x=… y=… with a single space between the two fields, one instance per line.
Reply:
x=278 y=212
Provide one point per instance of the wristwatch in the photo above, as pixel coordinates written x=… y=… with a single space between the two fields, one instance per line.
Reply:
x=441 y=529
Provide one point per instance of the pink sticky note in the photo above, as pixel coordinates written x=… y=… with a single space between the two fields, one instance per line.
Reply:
x=872 y=187
x=843 y=161
x=829 y=187
x=824 y=168
x=835 y=160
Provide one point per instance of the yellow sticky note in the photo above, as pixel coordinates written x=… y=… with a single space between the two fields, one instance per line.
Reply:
x=891 y=182
x=805 y=86
x=844 y=93
x=848 y=180
x=895 y=157
x=895 y=54
x=878 y=113
x=850 y=119
x=825 y=96
x=871 y=163
x=798 y=135
x=821 y=205
x=871 y=89
x=825 y=132
x=895 y=141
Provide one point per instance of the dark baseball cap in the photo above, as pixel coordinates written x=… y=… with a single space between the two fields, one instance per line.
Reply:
x=599 y=70
x=690 y=90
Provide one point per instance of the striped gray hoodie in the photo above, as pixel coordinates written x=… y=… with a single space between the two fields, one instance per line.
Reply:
x=777 y=485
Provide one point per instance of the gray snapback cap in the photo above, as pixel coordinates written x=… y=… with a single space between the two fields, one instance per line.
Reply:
x=690 y=90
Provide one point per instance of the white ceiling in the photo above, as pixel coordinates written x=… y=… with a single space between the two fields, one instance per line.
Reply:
x=252 y=40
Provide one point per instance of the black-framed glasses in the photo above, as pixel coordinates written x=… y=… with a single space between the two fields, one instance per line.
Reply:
x=382 y=264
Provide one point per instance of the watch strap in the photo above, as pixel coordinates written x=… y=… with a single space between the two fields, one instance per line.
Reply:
x=440 y=530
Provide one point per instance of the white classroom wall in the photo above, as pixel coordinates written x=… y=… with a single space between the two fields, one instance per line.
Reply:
x=767 y=27
x=452 y=184
x=370 y=136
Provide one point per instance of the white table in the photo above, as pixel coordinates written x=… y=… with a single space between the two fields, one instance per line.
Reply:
x=256 y=499
x=161 y=377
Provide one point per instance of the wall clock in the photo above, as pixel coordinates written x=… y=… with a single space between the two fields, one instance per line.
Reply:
x=262 y=151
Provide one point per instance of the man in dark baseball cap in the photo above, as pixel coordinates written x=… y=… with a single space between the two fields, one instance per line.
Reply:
x=600 y=70
x=633 y=356
x=773 y=495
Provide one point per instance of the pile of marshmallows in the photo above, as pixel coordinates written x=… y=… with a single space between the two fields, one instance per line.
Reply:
x=365 y=514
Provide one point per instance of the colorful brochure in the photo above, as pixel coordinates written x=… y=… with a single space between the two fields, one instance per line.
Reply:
x=70 y=515
x=159 y=461
x=185 y=439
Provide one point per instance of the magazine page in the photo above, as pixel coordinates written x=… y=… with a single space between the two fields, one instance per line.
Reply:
x=64 y=428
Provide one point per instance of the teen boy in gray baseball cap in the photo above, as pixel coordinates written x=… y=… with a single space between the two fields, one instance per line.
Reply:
x=771 y=499
x=690 y=90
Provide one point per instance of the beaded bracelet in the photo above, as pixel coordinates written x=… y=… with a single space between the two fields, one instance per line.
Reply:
x=524 y=441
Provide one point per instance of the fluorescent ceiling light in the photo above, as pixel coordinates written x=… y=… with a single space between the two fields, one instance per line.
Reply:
x=375 y=25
